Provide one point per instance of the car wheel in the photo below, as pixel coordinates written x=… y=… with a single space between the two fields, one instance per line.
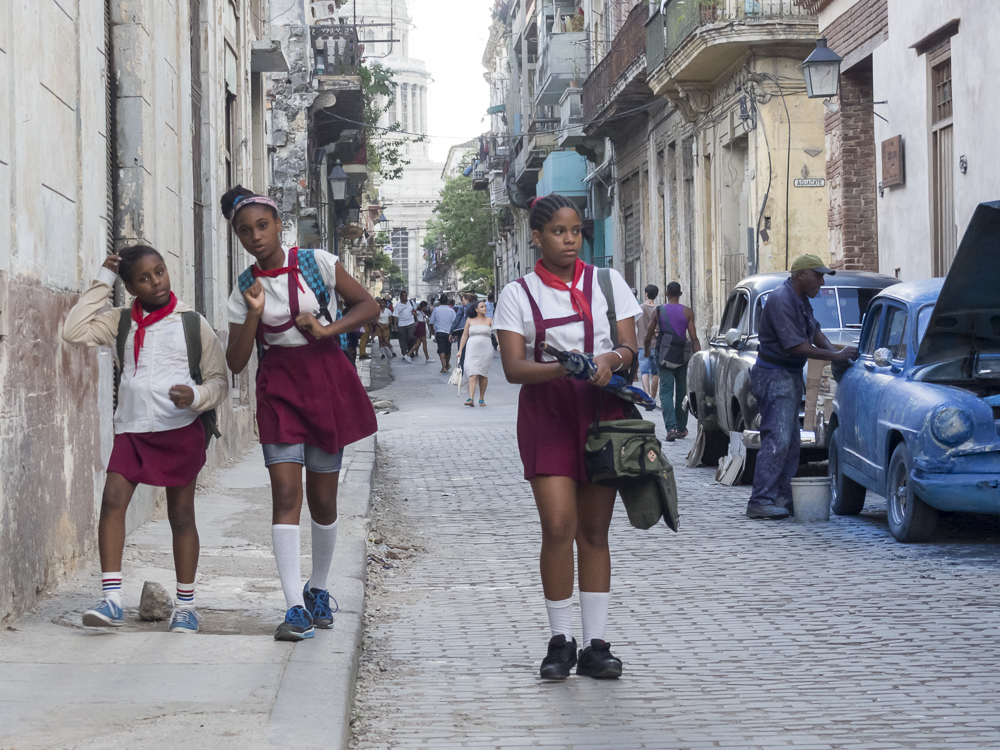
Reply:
x=910 y=518
x=716 y=446
x=848 y=497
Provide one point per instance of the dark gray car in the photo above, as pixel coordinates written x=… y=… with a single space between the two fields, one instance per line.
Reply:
x=718 y=378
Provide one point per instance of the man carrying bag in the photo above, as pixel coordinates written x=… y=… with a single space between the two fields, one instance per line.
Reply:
x=674 y=324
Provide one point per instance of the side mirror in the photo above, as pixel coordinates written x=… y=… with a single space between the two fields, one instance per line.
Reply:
x=883 y=357
x=732 y=336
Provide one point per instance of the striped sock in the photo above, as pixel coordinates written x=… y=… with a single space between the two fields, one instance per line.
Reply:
x=185 y=595
x=112 y=585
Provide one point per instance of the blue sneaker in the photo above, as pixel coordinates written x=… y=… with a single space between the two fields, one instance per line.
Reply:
x=318 y=606
x=296 y=627
x=184 y=620
x=104 y=614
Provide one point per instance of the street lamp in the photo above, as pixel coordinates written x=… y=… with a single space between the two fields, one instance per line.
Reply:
x=383 y=223
x=338 y=182
x=822 y=71
x=353 y=211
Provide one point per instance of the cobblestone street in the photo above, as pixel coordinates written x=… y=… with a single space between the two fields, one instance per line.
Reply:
x=734 y=633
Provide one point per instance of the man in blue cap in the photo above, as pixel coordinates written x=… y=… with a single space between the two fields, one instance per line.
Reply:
x=789 y=336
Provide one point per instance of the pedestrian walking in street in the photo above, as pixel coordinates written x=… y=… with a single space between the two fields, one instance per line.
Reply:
x=788 y=336
x=477 y=340
x=648 y=371
x=440 y=322
x=383 y=330
x=676 y=339
x=405 y=323
x=159 y=438
x=561 y=304
x=490 y=306
x=421 y=315
x=310 y=401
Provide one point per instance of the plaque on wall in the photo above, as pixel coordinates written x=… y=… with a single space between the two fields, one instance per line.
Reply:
x=893 y=172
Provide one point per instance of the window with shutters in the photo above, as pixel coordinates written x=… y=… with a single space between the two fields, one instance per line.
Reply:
x=945 y=235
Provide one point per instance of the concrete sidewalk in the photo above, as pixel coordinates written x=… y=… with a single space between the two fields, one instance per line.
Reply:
x=230 y=686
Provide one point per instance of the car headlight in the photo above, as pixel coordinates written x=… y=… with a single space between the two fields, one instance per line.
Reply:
x=951 y=425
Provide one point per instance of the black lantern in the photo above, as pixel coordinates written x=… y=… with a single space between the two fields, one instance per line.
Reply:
x=353 y=211
x=338 y=182
x=383 y=223
x=822 y=71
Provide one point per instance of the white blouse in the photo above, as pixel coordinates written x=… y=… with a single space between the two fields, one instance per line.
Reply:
x=513 y=313
x=277 y=309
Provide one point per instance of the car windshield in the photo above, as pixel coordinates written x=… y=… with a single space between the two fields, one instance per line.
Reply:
x=826 y=307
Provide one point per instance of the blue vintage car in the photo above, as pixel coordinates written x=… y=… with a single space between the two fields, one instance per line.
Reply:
x=917 y=417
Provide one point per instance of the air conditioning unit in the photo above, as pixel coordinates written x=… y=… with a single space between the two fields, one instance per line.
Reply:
x=323 y=11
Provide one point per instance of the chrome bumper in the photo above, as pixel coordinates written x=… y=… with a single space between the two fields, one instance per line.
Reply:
x=751 y=439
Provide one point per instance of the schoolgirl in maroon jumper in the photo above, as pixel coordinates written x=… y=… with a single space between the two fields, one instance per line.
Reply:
x=159 y=438
x=310 y=401
x=561 y=303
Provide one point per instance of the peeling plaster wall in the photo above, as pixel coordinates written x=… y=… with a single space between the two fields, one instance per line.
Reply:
x=56 y=429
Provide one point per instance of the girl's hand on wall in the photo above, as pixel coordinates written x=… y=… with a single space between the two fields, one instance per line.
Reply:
x=111 y=263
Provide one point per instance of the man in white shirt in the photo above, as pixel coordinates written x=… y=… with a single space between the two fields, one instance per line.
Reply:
x=405 y=322
x=440 y=322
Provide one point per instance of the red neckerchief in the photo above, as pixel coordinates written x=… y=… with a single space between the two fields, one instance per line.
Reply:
x=256 y=271
x=144 y=322
x=580 y=302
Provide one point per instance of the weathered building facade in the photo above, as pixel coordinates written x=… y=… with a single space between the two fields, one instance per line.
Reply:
x=123 y=122
x=912 y=148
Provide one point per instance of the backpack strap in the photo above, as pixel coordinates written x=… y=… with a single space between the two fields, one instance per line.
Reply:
x=192 y=339
x=246 y=279
x=311 y=273
x=604 y=281
x=124 y=326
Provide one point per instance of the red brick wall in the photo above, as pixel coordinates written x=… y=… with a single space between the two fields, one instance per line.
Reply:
x=855 y=27
x=851 y=178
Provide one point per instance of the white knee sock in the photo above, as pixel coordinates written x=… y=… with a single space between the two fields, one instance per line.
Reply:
x=594 y=612
x=287 y=555
x=324 y=542
x=560 y=617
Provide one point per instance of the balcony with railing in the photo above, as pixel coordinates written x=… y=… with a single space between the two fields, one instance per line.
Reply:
x=533 y=147
x=562 y=59
x=335 y=51
x=618 y=83
x=692 y=42
x=339 y=104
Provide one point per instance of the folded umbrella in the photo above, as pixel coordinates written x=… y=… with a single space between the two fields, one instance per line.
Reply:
x=582 y=367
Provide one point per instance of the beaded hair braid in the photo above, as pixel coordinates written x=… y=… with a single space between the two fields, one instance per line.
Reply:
x=543 y=209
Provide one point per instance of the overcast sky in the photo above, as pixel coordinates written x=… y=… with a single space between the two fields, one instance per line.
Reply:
x=450 y=36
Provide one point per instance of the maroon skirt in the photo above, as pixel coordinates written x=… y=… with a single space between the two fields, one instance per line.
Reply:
x=312 y=395
x=552 y=423
x=160 y=459
x=420 y=331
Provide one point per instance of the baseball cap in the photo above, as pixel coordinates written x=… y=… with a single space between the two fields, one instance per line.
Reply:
x=810 y=262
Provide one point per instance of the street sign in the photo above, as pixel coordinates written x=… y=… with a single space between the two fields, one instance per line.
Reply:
x=810 y=182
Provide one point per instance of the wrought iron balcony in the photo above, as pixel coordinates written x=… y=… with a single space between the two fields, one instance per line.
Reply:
x=618 y=83
x=335 y=50
x=692 y=42
x=536 y=144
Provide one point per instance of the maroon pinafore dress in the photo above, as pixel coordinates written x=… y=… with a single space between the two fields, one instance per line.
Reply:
x=310 y=394
x=553 y=417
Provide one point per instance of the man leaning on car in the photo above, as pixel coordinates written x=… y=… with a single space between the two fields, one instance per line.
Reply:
x=789 y=336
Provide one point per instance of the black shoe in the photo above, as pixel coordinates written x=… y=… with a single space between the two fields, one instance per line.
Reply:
x=766 y=511
x=560 y=659
x=598 y=662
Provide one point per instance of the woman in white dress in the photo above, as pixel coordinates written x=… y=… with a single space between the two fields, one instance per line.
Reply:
x=477 y=336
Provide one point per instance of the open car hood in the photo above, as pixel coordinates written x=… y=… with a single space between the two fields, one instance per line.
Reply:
x=966 y=317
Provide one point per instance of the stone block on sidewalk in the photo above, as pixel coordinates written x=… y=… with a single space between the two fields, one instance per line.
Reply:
x=155 y=603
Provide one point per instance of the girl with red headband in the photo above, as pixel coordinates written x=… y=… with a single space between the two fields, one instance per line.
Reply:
x=159 y=438
x=561 y=304
x=310 y=401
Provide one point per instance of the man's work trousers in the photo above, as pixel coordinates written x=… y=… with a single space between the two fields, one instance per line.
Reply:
x=779 y=398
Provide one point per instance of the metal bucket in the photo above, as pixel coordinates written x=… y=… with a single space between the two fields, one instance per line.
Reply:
x=811 y=498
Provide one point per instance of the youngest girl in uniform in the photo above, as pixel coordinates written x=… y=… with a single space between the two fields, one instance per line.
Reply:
x=159 y=438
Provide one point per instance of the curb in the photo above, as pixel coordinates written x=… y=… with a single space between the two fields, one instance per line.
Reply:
x=315 y=698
